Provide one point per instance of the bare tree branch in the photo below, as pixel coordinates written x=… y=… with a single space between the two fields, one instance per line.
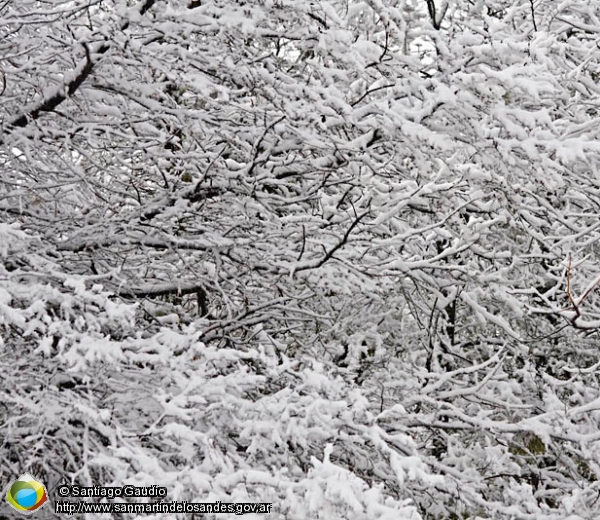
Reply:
x=169 y=289
x=533 y=15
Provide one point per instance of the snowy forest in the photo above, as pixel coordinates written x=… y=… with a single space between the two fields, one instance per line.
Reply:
x=341 y=256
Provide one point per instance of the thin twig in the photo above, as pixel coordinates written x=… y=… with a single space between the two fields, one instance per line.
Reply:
x=569 y=296
x=533 y=15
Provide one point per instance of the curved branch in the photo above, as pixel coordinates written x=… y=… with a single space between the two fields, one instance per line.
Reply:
x=49 y=102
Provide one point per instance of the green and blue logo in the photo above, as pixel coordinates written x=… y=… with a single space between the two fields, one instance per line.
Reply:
x=26 y=494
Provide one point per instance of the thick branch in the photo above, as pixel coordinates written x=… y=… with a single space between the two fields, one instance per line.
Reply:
x=157 y=290
x=431 y=10
x=436 y=19
x=49 y=102
x=154 y=243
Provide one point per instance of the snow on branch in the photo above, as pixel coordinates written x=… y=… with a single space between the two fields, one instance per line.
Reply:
x=52 y=99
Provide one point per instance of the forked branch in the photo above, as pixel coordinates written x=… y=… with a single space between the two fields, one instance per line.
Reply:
x=577 y=303
x=52 y=100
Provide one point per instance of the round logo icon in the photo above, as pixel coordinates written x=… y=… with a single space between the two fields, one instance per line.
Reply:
x=26 y=494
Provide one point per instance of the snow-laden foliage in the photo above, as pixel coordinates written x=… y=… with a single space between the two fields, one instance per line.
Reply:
x=340 y=256
x=89 y=398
